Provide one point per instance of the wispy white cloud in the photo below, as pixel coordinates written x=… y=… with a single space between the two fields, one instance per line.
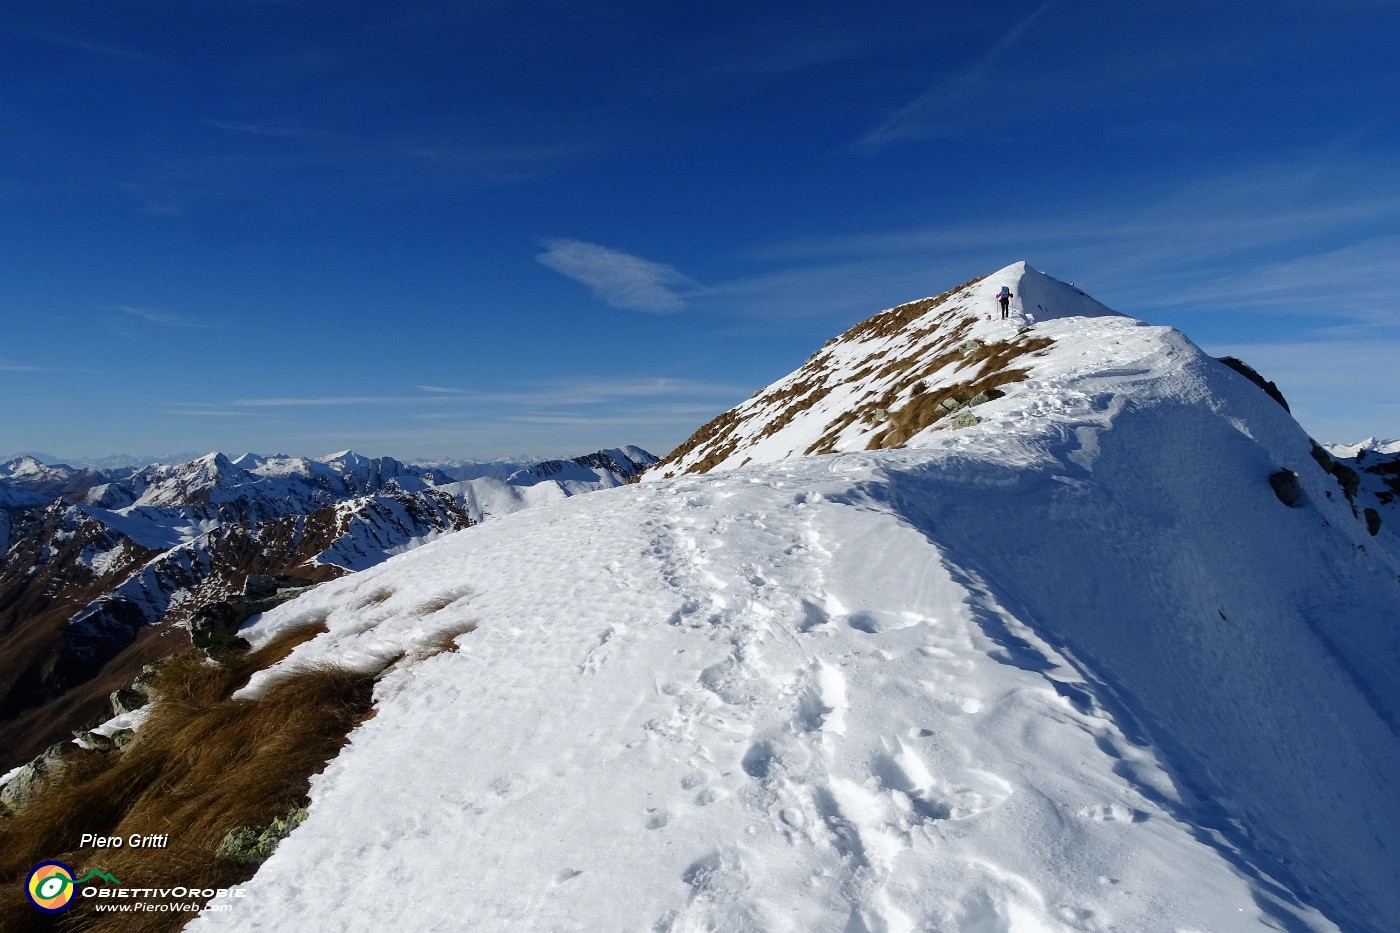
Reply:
x=603 y=391
x=570 y=393
x=295 y=144
x=915 y=119
x=331 y=401
x=1361 y=276
x=838 y=287
x=15 y=366
x=1313 y=234
x=657 y=414
x=81 y=44
x=279 y=132
x=588 y=391
x=169 y=319
x=737 y=59
x=187 y=411
x=686 y=418
x=617 y=278
x=10 y=366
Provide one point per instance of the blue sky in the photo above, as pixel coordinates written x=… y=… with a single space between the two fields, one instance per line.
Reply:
x=434 y=229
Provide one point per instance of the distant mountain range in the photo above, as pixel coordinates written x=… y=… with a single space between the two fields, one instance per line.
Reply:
x=101 y=565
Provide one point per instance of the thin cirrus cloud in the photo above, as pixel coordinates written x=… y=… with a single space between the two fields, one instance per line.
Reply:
x=617 y=278
x=81 y=44
x=917 y=118
x=10 y=366
x=576 y=392
x=572 y=393
x=292 y=144
x=167 y=319
x=1333 y=409
x=278 y=132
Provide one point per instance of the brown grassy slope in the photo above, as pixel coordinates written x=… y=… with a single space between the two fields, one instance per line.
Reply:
x=46 y=701
x=719 y=438
x=923 y=410
x=202 y=765
x=87 y=704
x=717 y=434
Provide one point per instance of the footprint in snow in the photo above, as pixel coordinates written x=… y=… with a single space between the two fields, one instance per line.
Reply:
x=813 y=616
x=952 y=699
x=780 y=754
x=902 y=772
x=1113 y=813
x=566 y=874
x=693 y=780
x=821 y=706
x=878 y=621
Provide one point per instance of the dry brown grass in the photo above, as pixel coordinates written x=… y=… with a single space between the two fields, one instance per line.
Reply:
x=202 y=765
x=446 y=640
x=717 y=440
x=890 y=322
x=87 y=704
x=710 y=431
x=374 y=597
x=923 y=409
x=441 y=601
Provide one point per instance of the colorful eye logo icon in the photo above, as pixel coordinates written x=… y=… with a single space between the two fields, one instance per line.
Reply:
x=50 y=887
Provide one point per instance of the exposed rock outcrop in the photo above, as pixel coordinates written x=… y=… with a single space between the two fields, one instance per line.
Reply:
x=214 y=627
x=32 y=776
x=1250 y=373
x=1286 y=486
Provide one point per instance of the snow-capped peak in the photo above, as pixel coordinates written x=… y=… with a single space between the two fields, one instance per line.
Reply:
x=902 y=372
x=1035 y=295
x=345 y=457
x=27 y=467
x=1371 y=445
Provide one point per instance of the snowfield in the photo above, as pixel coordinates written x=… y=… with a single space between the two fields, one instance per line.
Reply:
x=1073 y=668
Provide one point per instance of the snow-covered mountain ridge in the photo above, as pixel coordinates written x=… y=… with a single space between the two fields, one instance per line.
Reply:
x=1070 y=663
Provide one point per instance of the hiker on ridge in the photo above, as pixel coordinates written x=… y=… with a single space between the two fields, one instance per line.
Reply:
x=1005 y=296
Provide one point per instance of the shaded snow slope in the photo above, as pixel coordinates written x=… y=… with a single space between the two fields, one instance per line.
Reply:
x=1074 y=667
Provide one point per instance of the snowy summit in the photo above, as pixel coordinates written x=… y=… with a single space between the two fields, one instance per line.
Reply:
x=968 y=625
